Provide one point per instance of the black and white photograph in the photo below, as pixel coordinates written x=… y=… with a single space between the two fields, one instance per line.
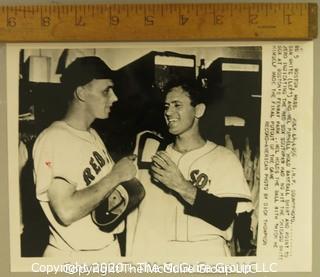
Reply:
x=152 y=152
x=139 y=152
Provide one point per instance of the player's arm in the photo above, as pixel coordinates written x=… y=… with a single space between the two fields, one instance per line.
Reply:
x=70 y=205
x=217 y=211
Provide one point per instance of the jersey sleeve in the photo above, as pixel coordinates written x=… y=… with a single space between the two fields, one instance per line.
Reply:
x=229 y=179
x=49 y=163
x=42 y=159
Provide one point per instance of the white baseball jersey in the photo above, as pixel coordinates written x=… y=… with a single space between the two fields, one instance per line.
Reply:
x=81 y=159
x=160 y=227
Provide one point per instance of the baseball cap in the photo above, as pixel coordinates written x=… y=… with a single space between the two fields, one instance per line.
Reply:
x=122 y=201
x=83 y=70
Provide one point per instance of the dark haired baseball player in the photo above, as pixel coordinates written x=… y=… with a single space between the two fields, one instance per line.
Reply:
x=72 y=168
x=195 y=189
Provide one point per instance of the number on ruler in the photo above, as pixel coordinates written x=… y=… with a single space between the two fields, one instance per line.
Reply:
x=11 y=22
x=265 y=21
x=45 y=21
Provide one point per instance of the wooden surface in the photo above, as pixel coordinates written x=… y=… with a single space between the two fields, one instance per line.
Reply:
x=152 y=22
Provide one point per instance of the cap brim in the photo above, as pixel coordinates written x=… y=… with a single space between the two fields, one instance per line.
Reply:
x=132 y=193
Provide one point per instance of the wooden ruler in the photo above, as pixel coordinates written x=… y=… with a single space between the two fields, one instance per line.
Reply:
x=150 y=22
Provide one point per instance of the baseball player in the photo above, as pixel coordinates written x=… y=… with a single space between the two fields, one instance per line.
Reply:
x=193 y=189
x=73 y=170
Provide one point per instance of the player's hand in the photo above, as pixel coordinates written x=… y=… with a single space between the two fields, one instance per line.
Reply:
x=164 y=170
x=125 y=169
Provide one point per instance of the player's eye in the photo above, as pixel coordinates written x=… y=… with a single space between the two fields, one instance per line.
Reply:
x=107 y=90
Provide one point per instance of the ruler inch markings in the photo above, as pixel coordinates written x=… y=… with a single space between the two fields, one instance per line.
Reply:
x=266 y=21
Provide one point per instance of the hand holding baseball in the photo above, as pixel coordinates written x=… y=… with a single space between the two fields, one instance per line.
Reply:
x=164 y=170
x=125 y=169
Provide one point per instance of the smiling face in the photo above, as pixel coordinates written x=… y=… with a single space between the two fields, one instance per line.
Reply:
x=179 y=114
x=98 y=97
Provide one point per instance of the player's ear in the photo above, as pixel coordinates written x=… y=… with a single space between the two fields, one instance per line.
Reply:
x=79 y=93
x=200 y=109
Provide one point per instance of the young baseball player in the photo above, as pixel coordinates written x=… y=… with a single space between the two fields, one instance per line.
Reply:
x=72 y=168
x=193 y=189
